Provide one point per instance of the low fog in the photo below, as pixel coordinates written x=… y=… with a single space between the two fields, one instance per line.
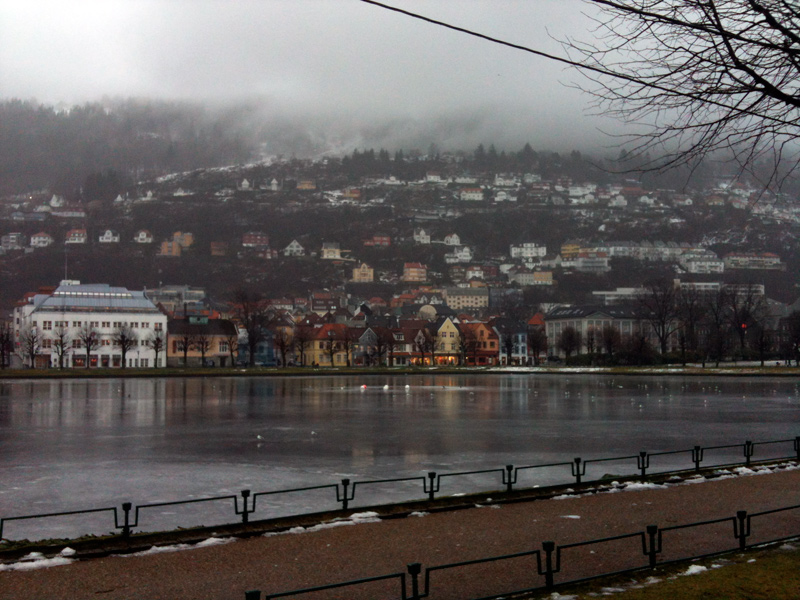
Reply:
x=323 y=76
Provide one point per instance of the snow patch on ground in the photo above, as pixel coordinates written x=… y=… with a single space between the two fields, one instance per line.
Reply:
x=354 y=519
x=694 y=570
x=37 y=560
x=635 y=486
x=179 y=547
x=570 y=516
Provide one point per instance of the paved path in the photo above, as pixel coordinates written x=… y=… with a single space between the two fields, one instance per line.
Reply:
x=288 y=561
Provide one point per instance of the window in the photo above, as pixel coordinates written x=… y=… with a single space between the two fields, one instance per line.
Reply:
x=223 y=346
x=47 y=325
x=145 y=362
x=135 y=325
x=105 y=342
x=76 y=323
x=76 y=343
x=145 y=325
x=47 y=343
x=106 y=324
x=95 y=324
x=117 y=324
x=158 y=326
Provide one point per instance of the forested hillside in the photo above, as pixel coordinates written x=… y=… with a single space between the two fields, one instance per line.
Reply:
x=42 y=147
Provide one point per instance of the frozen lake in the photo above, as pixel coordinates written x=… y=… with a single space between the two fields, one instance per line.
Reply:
x=75 y=444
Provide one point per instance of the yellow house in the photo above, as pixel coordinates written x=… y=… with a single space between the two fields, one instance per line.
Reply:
x=570 y=249
x=363 y=274
x=200 y=342
x=330 y=338
x=448 y=341
x=183 y=239
x=169 y=248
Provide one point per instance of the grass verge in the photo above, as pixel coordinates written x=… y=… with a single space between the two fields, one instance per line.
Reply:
x=763 y=574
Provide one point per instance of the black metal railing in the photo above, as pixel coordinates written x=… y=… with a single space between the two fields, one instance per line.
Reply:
x=245 y=503
x=551 y=559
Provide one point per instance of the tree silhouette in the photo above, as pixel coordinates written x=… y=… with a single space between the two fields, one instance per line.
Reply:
x=157 y=342
x=700 y=76
x=61 y=343
x=125 y=339
x=90 y=340
x=569 y=341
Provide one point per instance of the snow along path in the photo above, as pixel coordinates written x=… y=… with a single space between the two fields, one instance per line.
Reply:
x=326 y=555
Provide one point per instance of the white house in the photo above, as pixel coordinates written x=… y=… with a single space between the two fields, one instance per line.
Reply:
x=460 y=254
x=331 y=251
x=528 y=250
x=421 y=236
x=62 y=320
x=294 y=249
x=503 y=196
x=41 y=240
x=109 y=237
x=143 y=237
x=12 y=241
x=506 y=181
x=471 y=195
x=452 y=239
x=702 y=261
x=76 y=236
x=618 y=201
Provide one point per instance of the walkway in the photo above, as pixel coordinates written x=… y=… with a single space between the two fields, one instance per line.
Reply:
x=288 y=561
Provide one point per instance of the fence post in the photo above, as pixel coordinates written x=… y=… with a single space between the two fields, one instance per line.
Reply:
x=548 y=548
x=431 y=488
x=252 y=595
x=576 y=469
x=510 y=482
x=697 y=457
x=741 y=528
x=797 y=447
x=652 y=549
x=414 y=570
x=643 y=461
x=245 y=511
x=748 y=452
x=126 y=523
x=345 y=485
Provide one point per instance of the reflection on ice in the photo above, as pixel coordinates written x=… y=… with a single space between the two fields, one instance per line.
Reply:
x=73 y=444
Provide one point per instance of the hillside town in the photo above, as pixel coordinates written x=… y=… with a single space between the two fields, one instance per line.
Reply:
x=368 y=259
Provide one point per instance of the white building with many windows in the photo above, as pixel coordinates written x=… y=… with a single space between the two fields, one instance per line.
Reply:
x=61 y=321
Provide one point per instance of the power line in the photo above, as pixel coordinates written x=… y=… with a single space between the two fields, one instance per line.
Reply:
x=582 y=66
x=485 y=37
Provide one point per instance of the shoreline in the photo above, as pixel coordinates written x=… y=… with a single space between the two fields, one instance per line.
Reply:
x=733 y=370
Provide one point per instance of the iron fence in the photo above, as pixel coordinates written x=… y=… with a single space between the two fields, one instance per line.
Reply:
x=551 y=558
x=245 y=503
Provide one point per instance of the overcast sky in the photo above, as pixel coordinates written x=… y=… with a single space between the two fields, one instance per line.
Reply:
x=315 y=56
